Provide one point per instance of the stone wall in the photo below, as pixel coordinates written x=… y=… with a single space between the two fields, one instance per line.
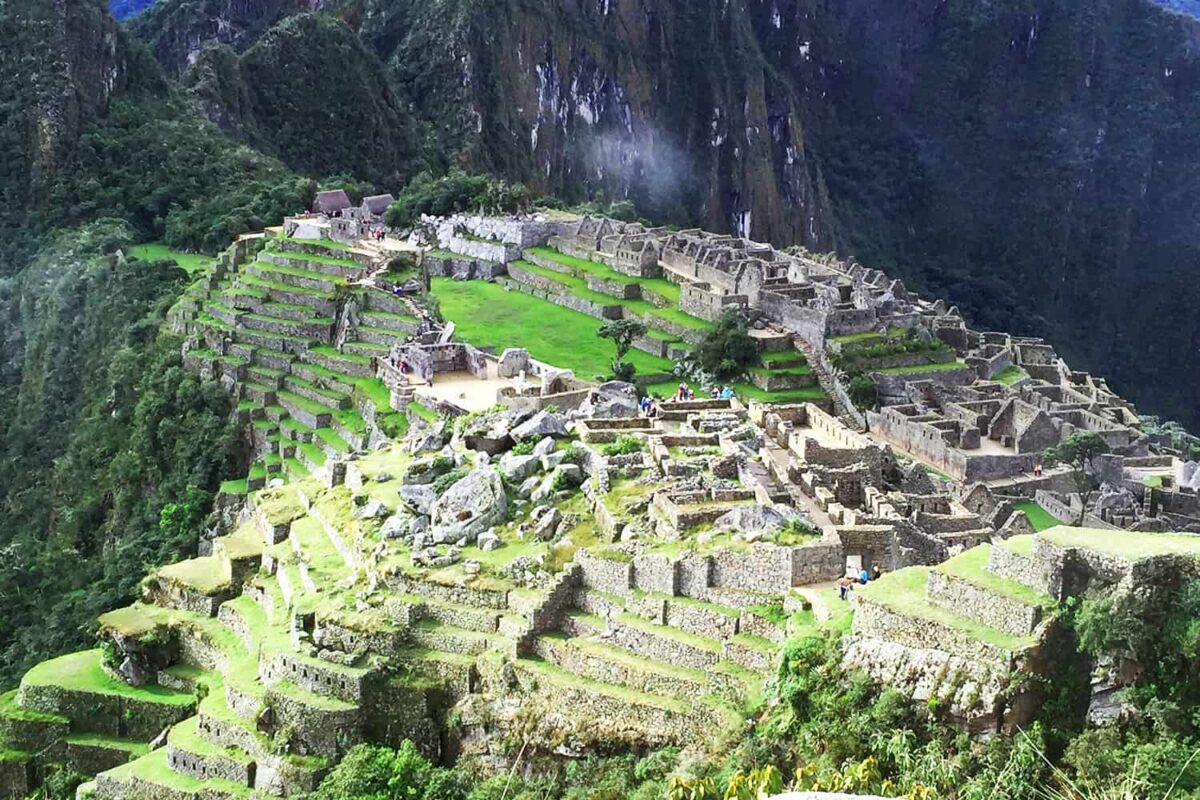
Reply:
x=614 y=577
x=996 y=611
x=875 y=620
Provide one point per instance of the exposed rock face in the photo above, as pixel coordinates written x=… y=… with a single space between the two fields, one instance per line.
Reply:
x=756 y=519
x=470 y=507
x=430 y=437
x=615 y=399
x=541 y=425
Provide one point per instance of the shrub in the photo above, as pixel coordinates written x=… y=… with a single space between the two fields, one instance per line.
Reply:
x=444 y=482
x=728 y=350
x=563 y=481
x=624 y=445
x=524 y=448
x=453 y=193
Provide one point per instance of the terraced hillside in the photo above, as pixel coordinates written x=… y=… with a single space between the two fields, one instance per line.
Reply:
x=955 y=634
x=266 y=318
x=312 y=627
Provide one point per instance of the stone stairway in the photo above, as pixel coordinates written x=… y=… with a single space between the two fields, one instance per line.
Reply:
x=827 y=378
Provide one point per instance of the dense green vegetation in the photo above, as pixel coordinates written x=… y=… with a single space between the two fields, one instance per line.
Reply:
x=109 y=450
x=310 y=93
x=454 y=193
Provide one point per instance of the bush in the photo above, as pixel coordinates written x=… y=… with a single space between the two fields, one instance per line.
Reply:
x=863 y=392
x=563 y=481
x=624 y=445
x=373 y=772
x=524 y=448
x=454 y=193
x=442 y=484
x=728 y=350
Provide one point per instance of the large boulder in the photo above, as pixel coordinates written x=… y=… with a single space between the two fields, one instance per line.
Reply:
x=541 y=425
x=758 y=520
x=470 y=507
x=428 y=437
x=611 y=400
x=418 y=498
x=517 y=468
x=491 y=432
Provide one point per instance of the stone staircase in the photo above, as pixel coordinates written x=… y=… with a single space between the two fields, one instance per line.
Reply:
x=818 y=361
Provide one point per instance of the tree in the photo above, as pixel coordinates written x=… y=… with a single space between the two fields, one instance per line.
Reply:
x=623 y=332
x=862 y=391
x=727 y=351
x=1079 y=451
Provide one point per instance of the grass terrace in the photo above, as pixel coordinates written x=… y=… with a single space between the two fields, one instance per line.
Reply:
x=971 y=566
x=903 y=592
x=660 y=286
x=328 y=244
x=1039 y=518
x=920 y=368
x=1124 y=544
x=316 y=259
x=157 y=251
x=487 y=315
x=82 y=672
x=1010 y=375
x=578 y=287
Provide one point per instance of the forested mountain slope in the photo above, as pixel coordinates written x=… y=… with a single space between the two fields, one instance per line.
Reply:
x=1030 y=160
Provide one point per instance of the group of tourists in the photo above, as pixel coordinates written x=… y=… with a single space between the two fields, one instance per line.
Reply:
x=648 y=407
x=685 y=392
x=862 y=577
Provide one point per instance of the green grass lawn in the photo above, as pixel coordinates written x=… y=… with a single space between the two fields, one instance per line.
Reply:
x=971 y=566
x=660 y=286
x=904 y=593
x=1010 y=375
x=745 y=391
x=488 y=316
x=1039 y=518
x=1124 y=544
x=578 y=287
x=920 y=368
x=82 y=672
x=157 y=251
